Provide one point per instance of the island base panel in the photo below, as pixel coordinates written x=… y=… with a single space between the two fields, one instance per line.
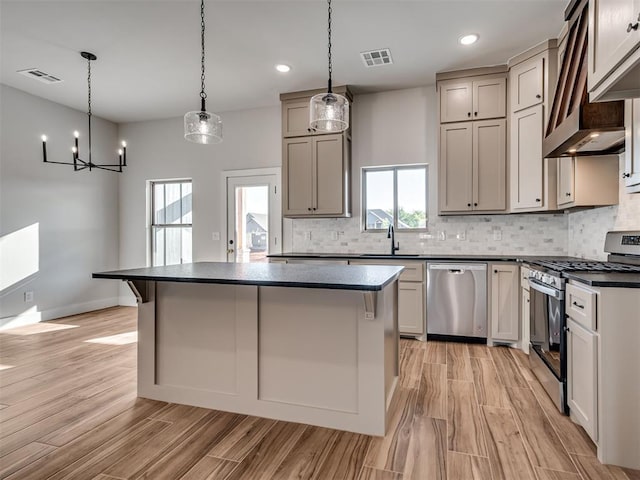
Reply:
x=296 y=354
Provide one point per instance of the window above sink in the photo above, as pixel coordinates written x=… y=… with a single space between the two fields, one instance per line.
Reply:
x=395 y=195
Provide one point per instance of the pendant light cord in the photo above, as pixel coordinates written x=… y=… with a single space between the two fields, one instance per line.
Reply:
x=329 y=49
x=203 y=95
x=89 y=103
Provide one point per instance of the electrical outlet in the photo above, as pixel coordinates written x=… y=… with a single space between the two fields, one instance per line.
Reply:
x=307 y=235
x=334 y=235
x=215 y=236
x=461 y=235
x=28 y=296
x=497 y=234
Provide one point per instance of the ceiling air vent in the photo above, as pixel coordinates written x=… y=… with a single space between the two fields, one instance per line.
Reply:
x=39 y=75
x=376 y=58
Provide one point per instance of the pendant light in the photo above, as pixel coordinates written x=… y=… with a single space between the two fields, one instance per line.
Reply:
x=77 y=162
x=329 y=112
x=202 y=126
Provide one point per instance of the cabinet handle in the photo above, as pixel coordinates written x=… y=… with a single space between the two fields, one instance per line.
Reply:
x=475 y=204
x=495 y=271
x=468 y=114
x=626 y=175
x=568 y=194
x=632 y=26
x=468 y=204
x=309 y=208
x=576 y=304
x=566 y=329
x=538 y=200
x=314 y=208
x=475 y=113
x=538 y=96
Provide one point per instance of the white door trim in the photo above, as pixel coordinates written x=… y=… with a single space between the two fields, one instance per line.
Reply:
x=249 y=172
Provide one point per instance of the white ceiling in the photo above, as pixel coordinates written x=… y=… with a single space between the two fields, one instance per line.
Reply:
x=149 y=53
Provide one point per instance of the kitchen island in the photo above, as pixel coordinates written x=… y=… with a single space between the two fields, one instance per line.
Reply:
x=311 y=345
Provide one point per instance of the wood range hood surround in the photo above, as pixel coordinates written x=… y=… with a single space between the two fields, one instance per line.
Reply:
x=577 y=127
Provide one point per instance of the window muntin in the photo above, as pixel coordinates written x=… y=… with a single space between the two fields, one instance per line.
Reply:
x=395 y=196
x=171 y=217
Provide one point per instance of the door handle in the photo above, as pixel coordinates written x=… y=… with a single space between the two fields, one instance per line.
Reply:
x=230 y=250
x=576 y=304
x=632 y=26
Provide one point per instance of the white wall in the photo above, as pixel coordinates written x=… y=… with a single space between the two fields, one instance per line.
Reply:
x=588 y=228
x=398 y=127
x=158 y=151
x=57 y=226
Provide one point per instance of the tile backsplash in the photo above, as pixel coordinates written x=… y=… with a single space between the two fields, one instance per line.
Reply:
x=492 y=234
x=579 y=234
x=587 y=229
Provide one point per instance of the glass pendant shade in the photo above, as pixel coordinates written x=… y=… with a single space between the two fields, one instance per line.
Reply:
x=329 y=112
x=202 y=127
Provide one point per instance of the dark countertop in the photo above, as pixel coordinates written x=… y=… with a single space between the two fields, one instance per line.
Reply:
x=337 y=277
x=423 y=257
x=624 y=280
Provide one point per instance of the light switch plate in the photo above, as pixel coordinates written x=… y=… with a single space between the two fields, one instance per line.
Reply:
x=28 y=296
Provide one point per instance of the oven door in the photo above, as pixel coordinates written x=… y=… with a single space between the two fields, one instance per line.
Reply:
x=547 y=324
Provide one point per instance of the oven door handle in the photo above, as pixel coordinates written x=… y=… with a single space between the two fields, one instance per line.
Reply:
x=541 y=287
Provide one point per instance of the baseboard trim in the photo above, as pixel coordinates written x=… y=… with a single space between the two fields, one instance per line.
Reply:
x=30 y=317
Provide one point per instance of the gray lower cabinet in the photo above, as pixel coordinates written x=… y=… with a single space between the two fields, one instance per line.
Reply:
x=504 y=305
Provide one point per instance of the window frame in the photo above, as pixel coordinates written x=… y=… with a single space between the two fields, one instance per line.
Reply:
x=394 y=169
x=152 y=218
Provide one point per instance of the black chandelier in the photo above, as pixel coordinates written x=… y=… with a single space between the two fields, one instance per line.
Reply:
x=78 y=163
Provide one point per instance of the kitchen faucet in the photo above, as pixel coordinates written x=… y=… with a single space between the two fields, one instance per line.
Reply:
x=390 y=234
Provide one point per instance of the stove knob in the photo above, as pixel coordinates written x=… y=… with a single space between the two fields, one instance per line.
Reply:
x=546 y=278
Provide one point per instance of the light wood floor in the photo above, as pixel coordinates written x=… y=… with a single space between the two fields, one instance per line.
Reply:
x=68 y=409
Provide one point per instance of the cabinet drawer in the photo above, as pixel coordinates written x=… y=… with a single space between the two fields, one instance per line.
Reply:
x=581 y=306
x=413 y=271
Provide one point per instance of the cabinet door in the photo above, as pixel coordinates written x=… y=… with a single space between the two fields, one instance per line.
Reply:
x=329 y=176
x=489 y=98
x=526 y=84
x=526 y=158
x=411 y=307
x=582 y=376
x=295 y=118
x=631 y=172
x=525 y=311
x=297 y=176
x=455 y=101
x=611 y=36
x=489 y=165
x=455 y=172
x=566 y=178
x=505 y=313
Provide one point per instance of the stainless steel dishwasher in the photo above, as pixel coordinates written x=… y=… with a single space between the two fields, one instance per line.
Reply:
x=457 y=300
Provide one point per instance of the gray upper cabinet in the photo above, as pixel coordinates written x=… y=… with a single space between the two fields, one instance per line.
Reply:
x=478 y=99
x=526 y=84
x=472 y=171
x=316 y=167
x=472 y=157
x=315 y=176
x=295 y=118
x=631 y=174
x=614 y=49
x=532 y=78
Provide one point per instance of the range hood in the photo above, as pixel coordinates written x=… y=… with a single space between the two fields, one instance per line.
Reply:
x=577 y=127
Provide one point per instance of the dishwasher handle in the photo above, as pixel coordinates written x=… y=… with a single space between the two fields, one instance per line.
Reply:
x=457 y=268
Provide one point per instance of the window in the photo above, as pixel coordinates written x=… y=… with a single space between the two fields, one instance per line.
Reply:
x=394 y=196
x=171 y=217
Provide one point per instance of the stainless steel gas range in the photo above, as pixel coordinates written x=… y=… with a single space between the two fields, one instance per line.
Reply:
x=548 y=355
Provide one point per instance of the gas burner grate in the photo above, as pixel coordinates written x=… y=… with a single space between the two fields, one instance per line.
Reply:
x=588 y=266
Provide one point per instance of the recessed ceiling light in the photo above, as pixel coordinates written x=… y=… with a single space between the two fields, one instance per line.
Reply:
x=282 y=68
x=468 y=39
x=594 y=135
x=573 y=150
